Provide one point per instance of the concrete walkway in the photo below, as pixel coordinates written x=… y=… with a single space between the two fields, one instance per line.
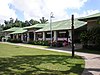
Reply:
x=92 y=61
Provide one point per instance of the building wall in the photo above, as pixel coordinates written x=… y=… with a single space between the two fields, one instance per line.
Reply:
x=91 y=23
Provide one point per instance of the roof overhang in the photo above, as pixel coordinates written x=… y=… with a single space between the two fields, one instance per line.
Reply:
x=19 y=32
x=86 y=19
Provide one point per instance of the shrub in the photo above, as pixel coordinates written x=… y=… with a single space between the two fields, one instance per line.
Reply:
x=91 y=38
x=93 y=47
x=1 y=38
x=44 y=43
x=77 y=41
x=14 y=40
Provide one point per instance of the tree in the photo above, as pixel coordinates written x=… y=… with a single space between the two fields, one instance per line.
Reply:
x=1 y=33
x=84 y=38
x=33 y=22
x=11 y=21
x=6 y=22
x=18 y=23
x=95 y=35
x=43 y=20
x=91 y=37
x=7 y=26
x=27 y=23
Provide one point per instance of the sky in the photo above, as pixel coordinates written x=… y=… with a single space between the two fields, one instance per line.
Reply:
x=35 y=9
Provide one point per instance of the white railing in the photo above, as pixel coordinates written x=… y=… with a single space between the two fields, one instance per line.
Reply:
x=48 y=38
x=40 y=39
x=62 y=39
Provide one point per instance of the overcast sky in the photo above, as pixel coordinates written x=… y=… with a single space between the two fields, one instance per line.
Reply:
x=35 y=9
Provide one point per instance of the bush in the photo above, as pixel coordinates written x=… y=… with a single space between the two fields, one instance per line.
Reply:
x=59 y=44
x=77 y=41
x=93 y=47
x=14 y=40
x=44 y=43
x=91 y=36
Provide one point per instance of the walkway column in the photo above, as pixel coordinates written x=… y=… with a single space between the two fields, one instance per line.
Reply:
x=55 y=35
x=22 y=37
x=17 y=36
x=34 y=36
x=44 y=36
x=27 y=36
x=13 y=36
x=70 y=34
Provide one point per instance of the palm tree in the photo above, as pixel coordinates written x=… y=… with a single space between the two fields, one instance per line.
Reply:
x=43 y=20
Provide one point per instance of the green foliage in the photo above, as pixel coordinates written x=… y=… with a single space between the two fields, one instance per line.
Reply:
x=92 y=36
x=43 y=20
x=14 y=40
x=33 y=22
x=6 y=27
x=1 y=33
x=44 y=43
x=84 y=37
x=17 y=23
x=98 y=21
x=95 y=32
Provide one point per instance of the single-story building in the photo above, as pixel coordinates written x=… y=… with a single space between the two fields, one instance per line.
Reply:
x=7 y=32
x=31 y=35
x=19 y=34
x=61 y=31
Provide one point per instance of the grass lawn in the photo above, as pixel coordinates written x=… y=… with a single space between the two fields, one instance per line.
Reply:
x=16 y=60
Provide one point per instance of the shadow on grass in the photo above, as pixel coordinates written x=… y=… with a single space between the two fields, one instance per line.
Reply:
x=88 y=51
x=41 y=65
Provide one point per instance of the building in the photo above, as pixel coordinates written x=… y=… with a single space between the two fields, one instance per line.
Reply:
x=61 y=31
x=19 y=34
x=31 y=34
x=92 y=20
x=7 y=32
x=93 y=25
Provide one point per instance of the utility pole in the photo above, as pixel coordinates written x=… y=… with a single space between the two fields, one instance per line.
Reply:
x=51 y=30
x=72 y=35
x=51 y=16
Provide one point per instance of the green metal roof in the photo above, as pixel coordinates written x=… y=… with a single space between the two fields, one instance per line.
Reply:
x=19 y=31
x=62 y=25
x=35 y=26
x=97 y=15
x=11 y=29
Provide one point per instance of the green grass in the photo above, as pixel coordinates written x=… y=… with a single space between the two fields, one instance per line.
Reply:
x=88 y=51
x=16 y=60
